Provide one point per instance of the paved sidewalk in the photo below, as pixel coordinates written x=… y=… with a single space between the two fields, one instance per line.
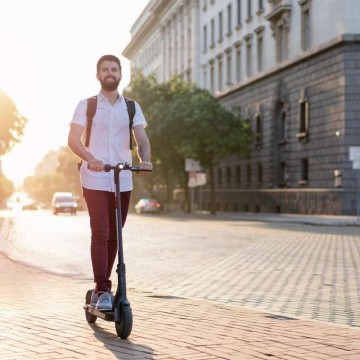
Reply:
x=327 y=220
x=41 y=317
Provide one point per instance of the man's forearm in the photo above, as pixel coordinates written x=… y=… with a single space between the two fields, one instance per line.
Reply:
x=79 y=150
x=144 y=151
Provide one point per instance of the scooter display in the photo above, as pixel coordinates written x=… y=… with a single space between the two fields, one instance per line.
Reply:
x=121 y=312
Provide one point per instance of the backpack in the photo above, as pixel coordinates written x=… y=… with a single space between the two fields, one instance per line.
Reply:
x=91 y=110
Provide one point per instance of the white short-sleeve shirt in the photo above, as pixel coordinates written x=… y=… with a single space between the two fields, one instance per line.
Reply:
x=109 y=141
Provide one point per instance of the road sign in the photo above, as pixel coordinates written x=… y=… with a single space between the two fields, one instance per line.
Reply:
x=192 y=179
x=354 y=153
x=192 y=165
x=196 y=179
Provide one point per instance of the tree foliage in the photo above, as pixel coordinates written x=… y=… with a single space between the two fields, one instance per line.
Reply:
x=6 y=188
x=12 y=124
x=64 y=178
x=186 y=121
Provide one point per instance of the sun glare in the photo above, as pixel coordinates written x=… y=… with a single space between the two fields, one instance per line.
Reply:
x=49 y=51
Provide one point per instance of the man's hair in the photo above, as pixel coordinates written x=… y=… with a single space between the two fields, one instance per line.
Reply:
x=108 y=58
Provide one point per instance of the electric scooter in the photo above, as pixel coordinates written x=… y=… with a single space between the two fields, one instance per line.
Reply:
x=121 y=312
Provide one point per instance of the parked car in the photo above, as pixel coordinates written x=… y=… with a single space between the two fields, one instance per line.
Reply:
x=147 y=206
x=30 y=206
x=64 y=202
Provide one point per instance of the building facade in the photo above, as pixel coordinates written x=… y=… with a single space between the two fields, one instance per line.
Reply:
x=292 y=68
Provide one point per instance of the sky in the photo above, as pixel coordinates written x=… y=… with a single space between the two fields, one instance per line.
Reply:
x=49 y=50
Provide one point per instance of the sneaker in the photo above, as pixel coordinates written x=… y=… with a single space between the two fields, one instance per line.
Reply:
x=104 y=302
x=94 y=298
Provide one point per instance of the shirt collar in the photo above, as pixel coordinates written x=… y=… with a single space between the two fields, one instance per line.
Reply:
x=102 y=97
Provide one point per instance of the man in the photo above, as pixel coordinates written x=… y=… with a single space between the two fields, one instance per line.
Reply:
x=109 y=144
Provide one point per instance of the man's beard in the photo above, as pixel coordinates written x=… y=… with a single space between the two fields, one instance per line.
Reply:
x=109 y=86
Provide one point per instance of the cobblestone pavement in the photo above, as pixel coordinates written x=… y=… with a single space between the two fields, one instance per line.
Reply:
x=299 y=270
x=209 y=290
x=41 y=317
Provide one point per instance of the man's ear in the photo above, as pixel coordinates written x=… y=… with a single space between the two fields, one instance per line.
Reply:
x=97 y=76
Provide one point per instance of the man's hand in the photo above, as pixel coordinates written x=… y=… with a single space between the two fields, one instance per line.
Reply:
x=145 y=165
x=95 y=165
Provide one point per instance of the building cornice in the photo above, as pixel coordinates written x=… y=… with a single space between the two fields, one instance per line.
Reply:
x=154 y=10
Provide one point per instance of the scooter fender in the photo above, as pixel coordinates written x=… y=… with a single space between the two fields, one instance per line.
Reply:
x=122 y=302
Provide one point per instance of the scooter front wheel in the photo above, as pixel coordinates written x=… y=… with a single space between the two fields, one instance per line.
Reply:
x=124 y=327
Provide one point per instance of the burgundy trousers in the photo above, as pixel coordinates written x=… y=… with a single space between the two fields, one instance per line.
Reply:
x=101 y=206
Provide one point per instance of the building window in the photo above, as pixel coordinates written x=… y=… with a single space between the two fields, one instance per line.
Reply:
x=260 y=45
x=219 y=173
x=188 y=75
x=205 y=5
x=260 y=49
x=260 y=173
x=305 y=26
x=261 y=5
x=249 y=11
x=303 y=118
x=280 y=25
x=238 y=13
x=212 y=77
x=228 y=69
x=205 y=84
x=282 y=128
x=238 y=175
x=248 y=56
x=238 y=64
x=281 y=43
x=212 y=33
x=248 y=174
x=228 y=176
x=258 y=130
x=220 y=73
x=205 y=38
x=304 y=171
x=282 y=174
x=229 y=20
x=220 y=26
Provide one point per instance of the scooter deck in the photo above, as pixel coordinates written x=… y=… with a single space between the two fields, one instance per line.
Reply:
x=105 y=315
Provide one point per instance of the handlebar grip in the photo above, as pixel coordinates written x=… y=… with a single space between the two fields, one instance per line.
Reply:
x=107 y=167
x=137 y=168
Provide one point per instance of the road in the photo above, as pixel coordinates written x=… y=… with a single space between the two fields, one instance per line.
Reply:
x=287 y=269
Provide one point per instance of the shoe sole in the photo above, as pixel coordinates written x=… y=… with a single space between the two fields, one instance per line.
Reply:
x=104 y=309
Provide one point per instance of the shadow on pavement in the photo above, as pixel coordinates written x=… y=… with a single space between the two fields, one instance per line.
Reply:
x=121 y=348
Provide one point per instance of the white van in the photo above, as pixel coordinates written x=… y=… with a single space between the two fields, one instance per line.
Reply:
x=63 y=202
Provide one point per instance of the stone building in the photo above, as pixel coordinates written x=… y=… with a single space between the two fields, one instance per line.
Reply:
x=292 y=68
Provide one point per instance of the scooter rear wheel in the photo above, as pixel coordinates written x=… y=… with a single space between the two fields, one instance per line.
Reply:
x=90 y=318
x=124 y=327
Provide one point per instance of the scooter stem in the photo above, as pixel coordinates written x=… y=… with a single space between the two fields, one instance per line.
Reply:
x=120 y=266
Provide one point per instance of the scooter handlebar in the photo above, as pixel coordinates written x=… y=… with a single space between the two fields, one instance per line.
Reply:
x=120 y=167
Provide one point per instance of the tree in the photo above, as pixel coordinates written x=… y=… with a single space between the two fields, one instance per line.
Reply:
x=164 y=105
x=186 y=121
x=64 y=177
x=6 y=188
x=12 y=124
x=213 y=133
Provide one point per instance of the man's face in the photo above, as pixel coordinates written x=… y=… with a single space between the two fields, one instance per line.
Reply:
x=109 y=75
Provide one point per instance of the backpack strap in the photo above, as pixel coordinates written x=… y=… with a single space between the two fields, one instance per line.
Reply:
x=91 y=110
x=90 y=113
x=131 y=110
